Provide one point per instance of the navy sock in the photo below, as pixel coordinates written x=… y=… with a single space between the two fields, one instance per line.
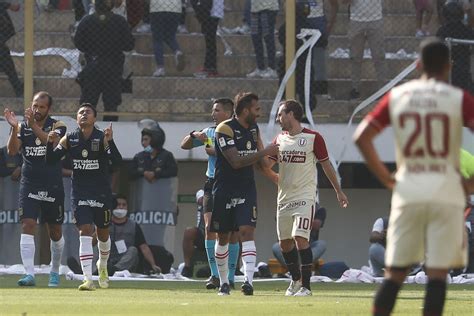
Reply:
x=291 y=260
x=434 y=298
x=306 y=257
x=385 y=298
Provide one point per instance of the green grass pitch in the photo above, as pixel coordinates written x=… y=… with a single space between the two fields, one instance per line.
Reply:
x=191 y=298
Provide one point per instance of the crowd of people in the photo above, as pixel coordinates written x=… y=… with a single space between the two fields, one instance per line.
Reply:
x=103 y=33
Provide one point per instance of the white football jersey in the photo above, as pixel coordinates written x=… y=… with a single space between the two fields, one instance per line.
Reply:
x=297 y=159
x=427 y=118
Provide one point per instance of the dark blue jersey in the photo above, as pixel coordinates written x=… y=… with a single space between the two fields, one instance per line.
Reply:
x=230 y=134
x=91 y=161
x=35 y=171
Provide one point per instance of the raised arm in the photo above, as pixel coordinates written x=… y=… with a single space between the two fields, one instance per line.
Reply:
x=54 y=154
x=14 y=142
x=111 y=149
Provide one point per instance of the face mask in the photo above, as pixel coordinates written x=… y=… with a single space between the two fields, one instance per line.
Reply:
x=119 y=212
x=148 y=149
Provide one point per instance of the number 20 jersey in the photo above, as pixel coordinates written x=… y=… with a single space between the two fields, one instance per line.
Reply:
x=427 y=118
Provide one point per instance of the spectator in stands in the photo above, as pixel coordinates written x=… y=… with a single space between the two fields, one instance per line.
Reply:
x=470 y=232
x=7 y=31
x=319 y=19
x=378 y=240
x=424 y=11
x=154 y=162
x=209 y=14
x=262 y=24
x=10 y=166
x=193 y=238
x=103 y=37
x=127 y=243
x=182 y=19
x=318 y=247
x=145 y=27
x=460 y=54
x=366 y=25
x=164 y=20
x=467 y=9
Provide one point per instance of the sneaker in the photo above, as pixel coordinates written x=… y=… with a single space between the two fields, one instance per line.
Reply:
x=212 y=283
x=103 y=276
x=224 y=290
x=270 y=73
x=206 y=73
x=179 y=60
x=303 y=292
x=294 y=287
x=27 y=280
x=244 y=29
x=53 y=279
x=144 y=28
x=247 y=288
x=87 y=285
x=257 y=73
x=159 y=72
x=419 y=33
x=354 y=94
x=187 y=272
x=182 y=29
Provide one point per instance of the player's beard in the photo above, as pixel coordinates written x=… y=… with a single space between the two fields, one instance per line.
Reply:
x=39 y=117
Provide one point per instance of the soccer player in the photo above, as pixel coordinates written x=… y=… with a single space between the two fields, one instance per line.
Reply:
x=299 y=151
x=426 y=220
x=92 y=152
x=222 y=110
x=238 y=148
x=41 y=185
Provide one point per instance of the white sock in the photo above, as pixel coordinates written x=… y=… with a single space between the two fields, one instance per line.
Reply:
x=222 y=261
x=104 y=252
x=249 y=257
x=27 y=250
x=86 y=255
x=56 y=253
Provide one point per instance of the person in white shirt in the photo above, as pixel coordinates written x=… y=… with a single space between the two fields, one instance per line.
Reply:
x=366 y=25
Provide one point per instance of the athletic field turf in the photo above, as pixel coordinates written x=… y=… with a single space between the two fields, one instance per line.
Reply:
x=190 y=298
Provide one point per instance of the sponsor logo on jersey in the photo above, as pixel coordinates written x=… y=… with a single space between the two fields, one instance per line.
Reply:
x=88 y=164
x=154 y=217
x=41 y=196
x=84 y=153
x=293 y=156
x=91 y=203
x=31 y=151
x=231 y=142
x=291 y=205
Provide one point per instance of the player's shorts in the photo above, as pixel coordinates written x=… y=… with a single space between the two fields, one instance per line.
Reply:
x=45 y=204
x=199 y=241
x=234 y=208
x=208 y=200
x=92 y=211
x=295 y=218
x=433 y=233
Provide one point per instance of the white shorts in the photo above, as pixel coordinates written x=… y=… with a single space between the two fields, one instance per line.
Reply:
x=295 y=219
x=430 y=233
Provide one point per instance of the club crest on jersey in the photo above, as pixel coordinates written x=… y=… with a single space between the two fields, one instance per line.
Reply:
x=249 y=145
x=95 y=146
x=37 y=141
x=302 y=142
x=84 y=153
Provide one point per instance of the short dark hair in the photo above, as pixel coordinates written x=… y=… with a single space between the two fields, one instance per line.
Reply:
x=243 y=100
x=88 y=105
x=121 y=196
x=226 y=103
x=295 y=107
x=44 y=94
x=434 y=56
